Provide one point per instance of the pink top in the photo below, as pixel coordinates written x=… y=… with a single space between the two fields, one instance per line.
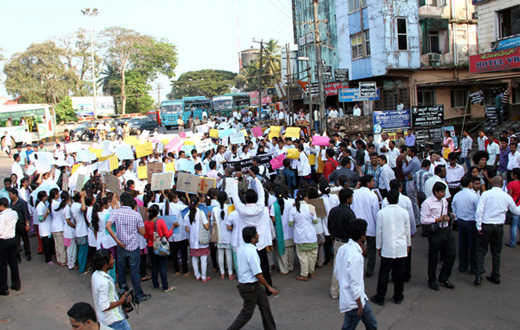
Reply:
x=139 y=202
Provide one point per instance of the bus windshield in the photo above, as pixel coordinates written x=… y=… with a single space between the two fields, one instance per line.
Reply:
x=171 y=107
x=222 y=104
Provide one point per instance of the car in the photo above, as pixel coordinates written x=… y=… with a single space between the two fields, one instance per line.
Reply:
x=137 y=125
x=71 y=125
x=87 y=131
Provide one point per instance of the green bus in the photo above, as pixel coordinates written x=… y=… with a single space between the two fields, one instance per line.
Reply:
x=27 y=123
x=226 y=103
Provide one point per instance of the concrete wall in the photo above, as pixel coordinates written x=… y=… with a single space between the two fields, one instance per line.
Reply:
x=488 y=22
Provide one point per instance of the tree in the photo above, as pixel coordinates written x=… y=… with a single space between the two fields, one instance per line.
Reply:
x=129 y=50
x=64 y=111
x=40 y=74
x=139 y=101
x=110 y=82
x=208 y=83
x=271 y=68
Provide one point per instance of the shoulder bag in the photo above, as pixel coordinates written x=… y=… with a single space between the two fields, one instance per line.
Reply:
x=509 y=215
x=204 y=234
x=161 y=247
x=214 y=226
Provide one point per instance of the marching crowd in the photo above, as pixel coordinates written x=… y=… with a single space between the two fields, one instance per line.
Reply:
x=334 y=203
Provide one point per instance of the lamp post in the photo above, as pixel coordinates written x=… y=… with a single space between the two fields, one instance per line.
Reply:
x=91 y=13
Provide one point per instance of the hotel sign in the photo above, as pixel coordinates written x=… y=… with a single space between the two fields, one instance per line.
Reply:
x=495 y=61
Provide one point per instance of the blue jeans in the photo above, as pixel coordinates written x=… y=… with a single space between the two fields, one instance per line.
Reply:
x=133 y=258
x=352 y=320
x=317 y=126
x=515 y=226
x=158 y=267
x=120 y=325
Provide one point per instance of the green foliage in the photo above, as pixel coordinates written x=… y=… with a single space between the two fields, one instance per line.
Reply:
x=271 y=68
x=138 y=98
x=207 y=83
x=40 y=74
x=64 y=111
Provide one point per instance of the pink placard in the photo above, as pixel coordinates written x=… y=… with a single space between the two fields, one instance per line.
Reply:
x=318 y=140
x=257 y=131
x=175 y=144
x=277 y=162
x=182 y=135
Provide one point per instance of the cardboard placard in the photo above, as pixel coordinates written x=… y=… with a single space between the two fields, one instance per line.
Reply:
x=65 y=182
x=169 y=167
x=162 y=181
x=187 y=183
x=73 y=147
x=244 y=131
x=125 y=152
x=186 y=165
x=144 y=134
x=237 y=138
x=152 y=168
x=112 y=183
x=231 y=186
x=142 y=172
x=206 y=183
x=114 y=162
x=80 y=182
x=159 y=148
x=293 y=153
x=293 y=132
x=144 y=149
x=83 y=156
x=203 y=145
x=203 y=129
x=318 y=203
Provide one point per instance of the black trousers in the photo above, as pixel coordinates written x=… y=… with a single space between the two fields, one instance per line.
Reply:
x=183 y=247
x=48 y=248
x=408 y=266
x=397 y=267
x=442 y=241
x=492 y=237
x=213 y=253
x=264 y=264
x=22 y=233
x=329 y=250
x=467 y=246
x=371 y=251
x=8 y=252
x=253 y=294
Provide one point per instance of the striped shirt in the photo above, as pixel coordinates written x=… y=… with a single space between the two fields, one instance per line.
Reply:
x=467 y=144
x=367 y=169
x=420 y=179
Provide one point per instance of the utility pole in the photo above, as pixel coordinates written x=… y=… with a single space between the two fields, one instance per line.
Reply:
x=260 y=72
x=289 y=82
x=90 y=14
x=317 y=45
x=159 y=87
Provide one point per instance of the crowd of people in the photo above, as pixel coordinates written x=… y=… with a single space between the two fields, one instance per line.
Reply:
x=329 y=205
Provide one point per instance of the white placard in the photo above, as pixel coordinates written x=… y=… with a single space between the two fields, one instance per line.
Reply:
x=73 y=147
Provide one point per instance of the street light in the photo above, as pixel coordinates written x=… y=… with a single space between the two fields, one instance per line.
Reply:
x=91 y=13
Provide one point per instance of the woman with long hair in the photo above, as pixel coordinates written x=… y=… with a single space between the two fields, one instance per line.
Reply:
x=57 y=227
x=211 y=201
x=281 y=214
x=44 y=228
x=304 y=168
x=330 y=200
x=303 y=218
x=220 y=221
x=69 y=229
x=193 y=221
x=447 y=144
x=78 y=210
x=178 y=241
x=155 y=225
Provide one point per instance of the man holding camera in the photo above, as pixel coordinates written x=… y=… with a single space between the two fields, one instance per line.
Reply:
x=108 y=305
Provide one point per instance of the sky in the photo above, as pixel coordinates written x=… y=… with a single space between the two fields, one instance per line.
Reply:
x=204 y=31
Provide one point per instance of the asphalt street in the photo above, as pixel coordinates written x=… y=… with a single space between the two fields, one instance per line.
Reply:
x=49 y=291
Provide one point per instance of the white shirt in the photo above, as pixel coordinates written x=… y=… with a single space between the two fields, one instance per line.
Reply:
x=104 y=292
x=200 y=219
x=453 y=175
x=304 y=231
x=492 y=207
x=356 y=111
x=494 y=150
x=513 y=160
x=288 y=204
x=393 y=232
x=387 y=174
x=304 y=168
x=8 y=219
x=348 y=269
x=57 y=216
x=44 y=227
x=330 y=201
x=428 y=186
x=79 y=219
x=392 y=155
x=482 y=142
x=248 y=264
x=366 y=205
x=17 y=169
x=405 y=203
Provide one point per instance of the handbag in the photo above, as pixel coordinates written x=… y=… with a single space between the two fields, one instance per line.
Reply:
x=204 y=234
x=214 y=232
x=509 y=215
x=434 y=227
x=161 y=247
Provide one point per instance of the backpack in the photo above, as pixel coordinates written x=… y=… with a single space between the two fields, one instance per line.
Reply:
x=333 y=165
x=279 y=180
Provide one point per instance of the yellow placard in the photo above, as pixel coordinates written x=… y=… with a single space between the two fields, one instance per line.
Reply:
x=102 y=159
x=312 y=159
x=165 y=141
x=213 y=133
x=114 y=162
x=169 y=167
x=144 y=149
x=231 y=208
x=293 y=153
x=74 y=168
x=95 y=151
x=274 y=132
x=244 y=131
x=189 y=142
x=132 y=140
x=142 y=172
x=293 y=132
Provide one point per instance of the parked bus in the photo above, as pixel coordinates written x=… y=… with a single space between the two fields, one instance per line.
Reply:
x=194 y=106
x=26 y=123
x=170 y=111
x=226 y=103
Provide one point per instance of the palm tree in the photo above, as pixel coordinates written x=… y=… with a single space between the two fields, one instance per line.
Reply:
x=110 y=82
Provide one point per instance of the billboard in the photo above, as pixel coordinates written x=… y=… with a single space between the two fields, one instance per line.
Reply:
x=495 y=61
x=353 y=95
x=390 y=119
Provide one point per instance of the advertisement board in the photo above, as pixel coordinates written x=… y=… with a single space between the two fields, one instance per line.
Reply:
x=495 y=61
x=390 y=119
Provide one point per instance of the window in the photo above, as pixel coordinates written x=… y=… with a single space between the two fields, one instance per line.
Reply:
x=402 y=37
x=458 y=98
x=432 y=3
x=354 y=5
x=437 y=41
x=367 y=43
x=509 y=22
x=357 y=46
x=425 y=97
x=516 y=96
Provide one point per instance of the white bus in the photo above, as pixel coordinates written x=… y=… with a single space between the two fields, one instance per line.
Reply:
x=27 y=123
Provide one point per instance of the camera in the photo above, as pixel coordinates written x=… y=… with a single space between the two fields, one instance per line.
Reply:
x=129 y=305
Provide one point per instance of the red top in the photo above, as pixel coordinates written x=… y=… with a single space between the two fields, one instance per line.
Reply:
x=161 y=229
x=330 y=165
x=514 y=186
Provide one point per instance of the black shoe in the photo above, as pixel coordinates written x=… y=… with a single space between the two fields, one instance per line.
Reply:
x=145 y=297
x=28 y=258
x=369 y=274
x=464 y=270
x=434 y=286
x=398 y=301
x=4 y=293
x=478 y=280
x=15 y=289
x=447 y=284
x=509 y=245
x=494 y=279
x=19 y=260
x=377 y=301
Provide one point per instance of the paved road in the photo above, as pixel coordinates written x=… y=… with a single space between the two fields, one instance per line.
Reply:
x=48 y=292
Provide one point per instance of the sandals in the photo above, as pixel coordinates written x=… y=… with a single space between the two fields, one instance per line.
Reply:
x=172 y=288
x=188 y=274
x=146 y=278
x=301 y=278
x=206 y=279
x=232 y=277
